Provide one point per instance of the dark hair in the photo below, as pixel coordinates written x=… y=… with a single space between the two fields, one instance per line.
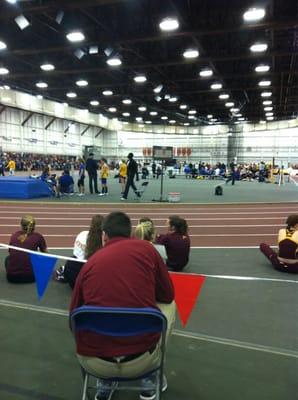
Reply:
x=291 y=221
x=179 y=224
x=91 y=154
x=130 y=155
x=66 y=172
x=104 y=160
x=94 y=239
x=117 y=224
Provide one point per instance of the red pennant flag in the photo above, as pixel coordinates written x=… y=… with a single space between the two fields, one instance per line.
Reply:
x=187 y=289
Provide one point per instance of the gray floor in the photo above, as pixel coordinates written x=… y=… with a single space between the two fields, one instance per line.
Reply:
x=241 y=340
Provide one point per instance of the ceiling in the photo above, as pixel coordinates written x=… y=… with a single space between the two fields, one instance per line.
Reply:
x=130 y=29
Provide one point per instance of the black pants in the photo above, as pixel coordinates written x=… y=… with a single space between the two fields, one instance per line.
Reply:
x=129 y=183
x=231 y=178
x=71 y=271
x=93 y=178
x=18 y=278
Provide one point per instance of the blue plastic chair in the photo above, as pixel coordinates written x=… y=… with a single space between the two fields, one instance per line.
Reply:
x=121 y=322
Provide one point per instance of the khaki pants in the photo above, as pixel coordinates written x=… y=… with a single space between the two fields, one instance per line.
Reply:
x=139 y=366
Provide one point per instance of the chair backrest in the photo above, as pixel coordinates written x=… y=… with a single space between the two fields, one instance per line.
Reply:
x=118 y=322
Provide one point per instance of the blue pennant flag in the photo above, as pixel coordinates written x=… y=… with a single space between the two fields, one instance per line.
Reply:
x=43 y=267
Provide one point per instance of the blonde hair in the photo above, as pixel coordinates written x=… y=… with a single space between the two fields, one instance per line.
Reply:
x=145 y=231
x=28 y=226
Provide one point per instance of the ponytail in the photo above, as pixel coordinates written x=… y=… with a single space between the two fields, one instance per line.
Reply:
x=28 y=226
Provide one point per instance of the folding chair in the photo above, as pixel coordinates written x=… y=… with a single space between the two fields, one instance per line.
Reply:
x=121 y=322
x=143 y=189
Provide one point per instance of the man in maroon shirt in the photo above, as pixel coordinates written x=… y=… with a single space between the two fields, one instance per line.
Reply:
x=126 y=272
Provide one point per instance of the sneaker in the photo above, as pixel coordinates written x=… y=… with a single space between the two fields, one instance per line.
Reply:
x=123 y=198
x=101 y=194
x=150 y=394
x=138 y=194
x=105 y=389
x=59 y=275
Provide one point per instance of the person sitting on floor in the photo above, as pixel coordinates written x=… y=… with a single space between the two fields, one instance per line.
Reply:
x=65 y=183
x=145 y=230
x=49 y=179
x=176 y=242
x=126 y=272
x=85 y=245
x=286 y=258
x=18 y=265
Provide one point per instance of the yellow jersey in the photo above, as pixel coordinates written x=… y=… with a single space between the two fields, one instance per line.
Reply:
x=104 y=171
x=11 y=164
x=123 y=170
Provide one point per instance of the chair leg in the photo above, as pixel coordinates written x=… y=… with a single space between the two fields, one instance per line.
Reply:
x=85 y=388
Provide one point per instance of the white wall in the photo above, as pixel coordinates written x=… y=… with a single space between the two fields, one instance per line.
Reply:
x=34 y=138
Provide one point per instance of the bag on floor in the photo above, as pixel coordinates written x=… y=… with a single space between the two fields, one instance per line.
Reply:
x=218 y=191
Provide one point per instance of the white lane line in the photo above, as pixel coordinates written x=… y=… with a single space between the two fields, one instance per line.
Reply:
x=156 y=226
x=189 y=335
x=167 y=213
x=154 y=219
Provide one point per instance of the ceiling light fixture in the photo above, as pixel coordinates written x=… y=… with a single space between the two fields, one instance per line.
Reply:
x=262 y=68
x=93 y=50
x=22 y=22
x=126 y=114
x=164 y=117
x=107 y=93
x=139 y=119
x=254 y=14
x=264 y=83
x=234 y=110
x=148 y=122
x=266 y=94
x=2 y=45
x=71 y=95
x=114 y=62
x=267 y=102
x=41 y=85
x=192 y=112
x=258 y=47
x=158 y=89
x=153 y=113
x=209 y=116
x=173 y=99
x=4 y=71
x=94 y=103
x=75 y=36
x=11 y=1
x=224 y=96
x=216 y=86
x=169 y=24
x=186 y=124
x=172 y=121
x=183 y=107
x=47 y=67
x=229 y=104
x=206 y=72
x=126 y=101
x=79 y=53
x=191 y=53
x=270 y=118
x=268 y=108
x=112 y=109
x=140 y=78
x=142 y=108
x=82 y=83
x=269 y=114
x=191 y=117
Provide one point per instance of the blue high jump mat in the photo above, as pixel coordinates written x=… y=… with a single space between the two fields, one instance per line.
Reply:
x=13 y=187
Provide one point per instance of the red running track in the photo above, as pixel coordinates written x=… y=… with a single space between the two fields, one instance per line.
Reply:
x=233 y=225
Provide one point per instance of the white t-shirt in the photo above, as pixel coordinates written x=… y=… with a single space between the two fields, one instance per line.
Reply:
x=80 y=245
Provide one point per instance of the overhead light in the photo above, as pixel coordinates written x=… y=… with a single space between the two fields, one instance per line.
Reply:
x=191 y=53
x=126 y=101
x=112 y=109
x=75 y=36
x=79 y=53
x=65 y=104
x=264 y=83
x=229 y=104
x=267 y=102
x=183 y=107
x=204 y=73
x=186 y=124
x=172 y=121
x=107 y=93
x=241 y=119
x=139 y=119
x=4 y=71
x=169 y=24
x=262 y=68
x=173 y=99
x=254 y=14
x=82 y=83
x=71 y=95
x=93 y=50
x=126 y=114
x=191 y=117
x=234 y=110
x=164 y=117
x=158 y=89
x=224 y=96
x=47 y=67
x=140 y=78
x=2 y=45
x=213 y=119
x=268 y=108
x=216 y=86
x=157 y=98
x=22 y=22
x=270 y=118
x=237 y=122
x=148 y=122
x=192 y=112
x=11 y=1
x=153 y=113
x=59 y=17
x=94 y=103
x=142 y=108
x=114 y=62
x=41 y=85
x=238 y=115
x=266 y=94
x=258 y=47
x=269 y=114
x=209 y=116
x=39 y=97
